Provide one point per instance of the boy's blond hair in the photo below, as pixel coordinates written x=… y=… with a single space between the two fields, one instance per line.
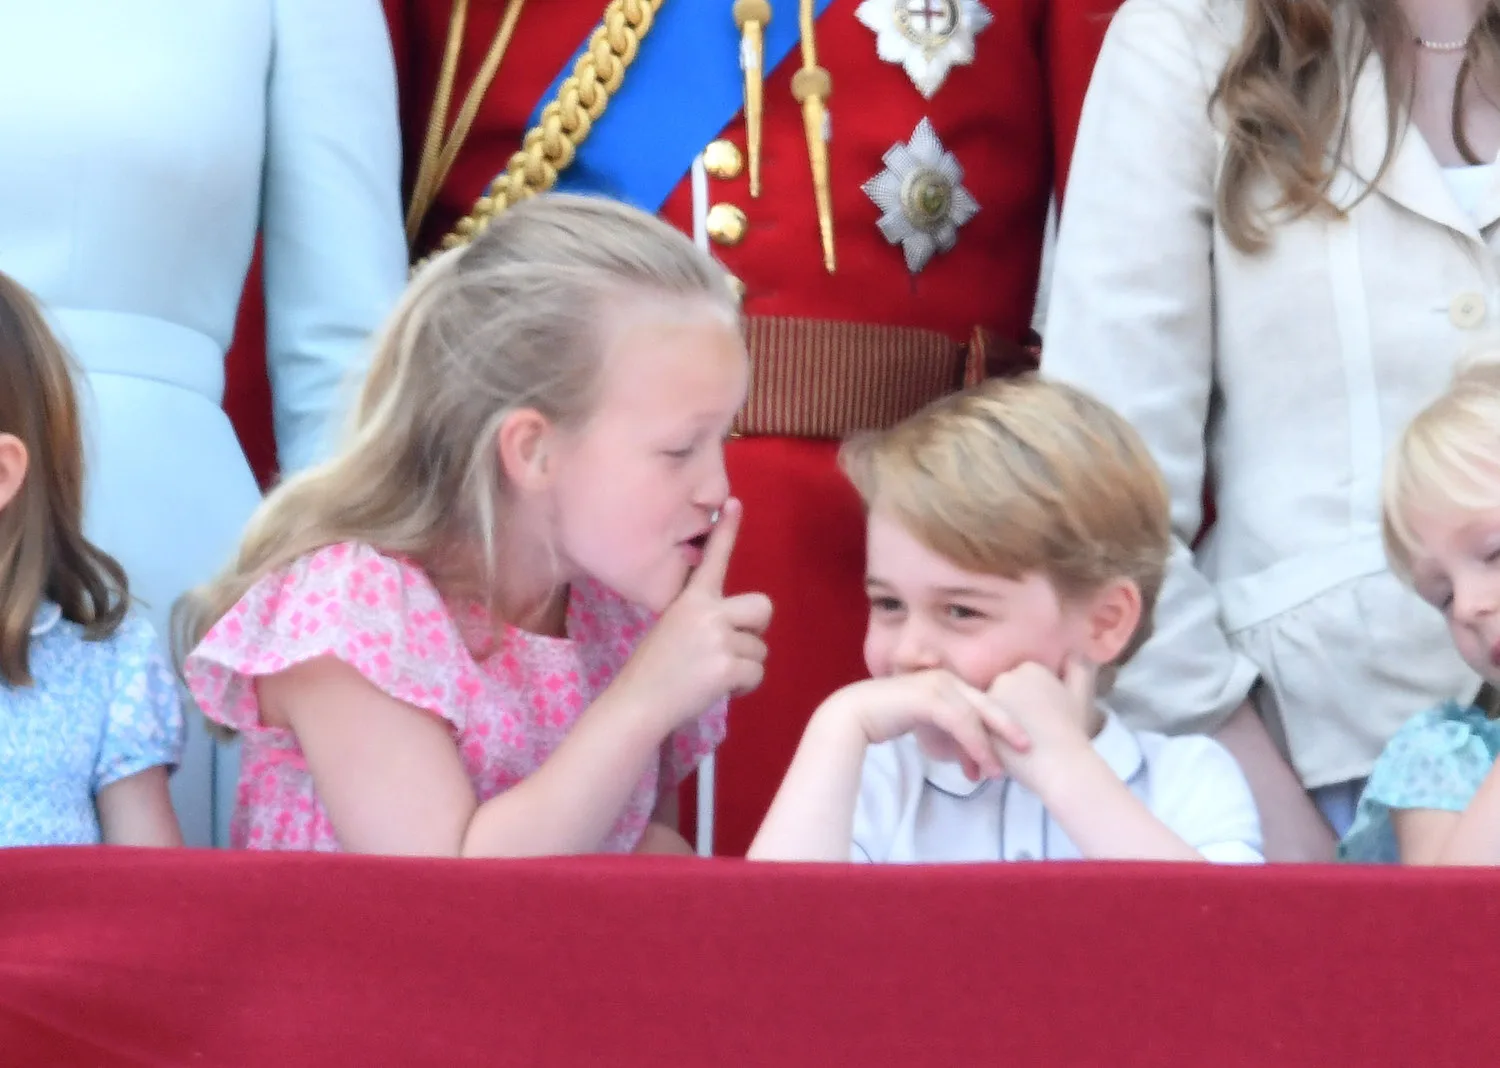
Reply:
x=1020 y=476
x=1448 y=457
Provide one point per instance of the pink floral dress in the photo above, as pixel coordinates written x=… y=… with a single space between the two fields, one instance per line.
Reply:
x=509 y=698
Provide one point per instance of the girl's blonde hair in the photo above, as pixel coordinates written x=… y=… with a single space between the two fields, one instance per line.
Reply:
x=516 y=319
x=1284 y=100
x=1448 y=457
x=1022 y=475
x=43 y=553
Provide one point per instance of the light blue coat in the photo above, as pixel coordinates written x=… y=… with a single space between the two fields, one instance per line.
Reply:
x=144 y=145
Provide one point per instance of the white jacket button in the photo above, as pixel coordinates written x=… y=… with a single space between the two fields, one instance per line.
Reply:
x=1466 y=311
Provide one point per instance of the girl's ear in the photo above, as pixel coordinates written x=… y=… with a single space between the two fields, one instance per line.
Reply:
x=13 y=462
x=522 y=444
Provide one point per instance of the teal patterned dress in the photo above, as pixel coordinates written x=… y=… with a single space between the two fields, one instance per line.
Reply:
x=1436 y=761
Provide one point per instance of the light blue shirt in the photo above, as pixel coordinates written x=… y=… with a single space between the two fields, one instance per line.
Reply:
x=96 y=712
x=1436 y=761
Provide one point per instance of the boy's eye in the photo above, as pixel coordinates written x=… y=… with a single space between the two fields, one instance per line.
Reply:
x=885 y=604
x=678 y=454
x=962 y=612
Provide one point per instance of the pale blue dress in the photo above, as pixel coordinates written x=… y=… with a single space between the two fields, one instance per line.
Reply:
x=96 y=712
x=1436 y=761
x=143 y=146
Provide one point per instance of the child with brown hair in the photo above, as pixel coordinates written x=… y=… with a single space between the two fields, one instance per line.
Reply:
x=90 y=721
x=1017 y=538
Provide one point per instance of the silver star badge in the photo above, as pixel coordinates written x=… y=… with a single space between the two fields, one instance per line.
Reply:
x=921 y=197
x=927 y=37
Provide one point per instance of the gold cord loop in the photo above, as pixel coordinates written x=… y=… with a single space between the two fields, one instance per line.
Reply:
x=549 y=147
x=438 y=153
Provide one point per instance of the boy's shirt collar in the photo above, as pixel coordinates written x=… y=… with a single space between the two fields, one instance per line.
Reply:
x=1115 y=742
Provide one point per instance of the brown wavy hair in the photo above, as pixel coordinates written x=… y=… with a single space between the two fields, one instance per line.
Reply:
x=1283 y=95
x=43 y=553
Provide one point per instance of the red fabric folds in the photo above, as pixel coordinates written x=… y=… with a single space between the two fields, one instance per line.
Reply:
x=136 y=957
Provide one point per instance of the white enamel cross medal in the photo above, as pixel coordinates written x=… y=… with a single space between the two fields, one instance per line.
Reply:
x=927 y=37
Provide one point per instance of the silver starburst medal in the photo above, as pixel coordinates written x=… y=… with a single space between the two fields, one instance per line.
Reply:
x=921 y=197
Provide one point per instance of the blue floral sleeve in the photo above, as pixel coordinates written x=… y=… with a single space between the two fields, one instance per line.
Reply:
x=144 y=725
x=1436 y=761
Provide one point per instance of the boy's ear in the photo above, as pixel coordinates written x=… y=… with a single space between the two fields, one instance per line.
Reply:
x=1110 y=619
x=13 y=463
x=522 y=446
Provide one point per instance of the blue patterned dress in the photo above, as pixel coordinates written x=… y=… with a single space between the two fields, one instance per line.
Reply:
x=97 y=712
x=1436 y=761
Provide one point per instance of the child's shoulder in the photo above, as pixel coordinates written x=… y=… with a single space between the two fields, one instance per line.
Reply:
x=1447 y=724
x=1177 y=747
x=355 y=562
x=344 y=595
x=61 y=640
x=1185 y=760
x=342 y=576
x=1437 y=761
x=135 y=634
x=376 y=611
x=92 y=680
x=1450 y=737
x=1196 y=788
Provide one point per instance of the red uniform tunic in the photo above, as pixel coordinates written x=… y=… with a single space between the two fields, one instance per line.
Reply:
x=995 y=115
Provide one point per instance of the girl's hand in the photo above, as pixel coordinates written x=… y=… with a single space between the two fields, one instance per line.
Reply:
x=705 y=646
x=1057 y=715
x=950 y=719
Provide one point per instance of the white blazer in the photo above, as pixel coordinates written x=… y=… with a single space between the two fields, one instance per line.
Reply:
x=1282 y=378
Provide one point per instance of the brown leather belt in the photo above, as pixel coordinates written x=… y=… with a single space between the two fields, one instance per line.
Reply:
x=815 y=378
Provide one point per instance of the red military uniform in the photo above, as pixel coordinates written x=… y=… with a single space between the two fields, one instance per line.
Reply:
x=886 y=331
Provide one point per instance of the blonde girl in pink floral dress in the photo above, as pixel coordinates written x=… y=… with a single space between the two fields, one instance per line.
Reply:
x=494 y=623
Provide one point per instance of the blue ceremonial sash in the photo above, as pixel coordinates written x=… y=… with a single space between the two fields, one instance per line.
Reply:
x=684 y=87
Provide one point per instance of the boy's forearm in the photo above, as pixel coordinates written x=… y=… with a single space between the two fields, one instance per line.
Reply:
x=1104 y=819
x=812 y=816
